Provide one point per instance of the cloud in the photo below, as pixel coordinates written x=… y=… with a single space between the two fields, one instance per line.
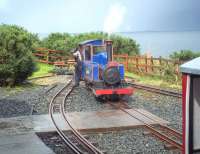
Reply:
x=115 y=18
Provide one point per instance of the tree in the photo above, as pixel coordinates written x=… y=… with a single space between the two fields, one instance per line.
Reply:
x=184 y=55
x=124 y=45
x=58 y=41
x=16 y=60
x=66 y=42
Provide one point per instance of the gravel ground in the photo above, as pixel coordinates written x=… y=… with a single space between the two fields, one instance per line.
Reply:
x=83 y=100
x=129 y=142
x=55 y=142
x=29 y=99
x=13 y=108
x=22 y=102
x=166 y=107
x=122 y=142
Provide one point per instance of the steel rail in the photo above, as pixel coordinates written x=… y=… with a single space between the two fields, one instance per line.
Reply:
x=84 y=141
x=71 y=145
x=41 y=77
x=153 y=130
x=79 y=138
x=52 y=87
x=172 y=131
x=156 y=90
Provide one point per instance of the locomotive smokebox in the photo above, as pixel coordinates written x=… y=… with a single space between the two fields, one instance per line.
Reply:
x=111 y=74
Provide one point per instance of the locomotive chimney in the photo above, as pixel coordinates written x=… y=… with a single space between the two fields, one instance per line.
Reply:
x=109 y=49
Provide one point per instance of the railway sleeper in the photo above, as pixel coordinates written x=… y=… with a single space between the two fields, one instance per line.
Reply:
x=96 y=144
x=170 y=147
x=167 y=146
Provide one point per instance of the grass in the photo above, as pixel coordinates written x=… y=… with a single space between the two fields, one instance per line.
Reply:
x=154 y=81
x=43 y=70
x=19 y=88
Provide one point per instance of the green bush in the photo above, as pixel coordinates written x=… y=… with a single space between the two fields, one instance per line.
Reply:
x=184 y=55
x=169 y=74
x=16 y=60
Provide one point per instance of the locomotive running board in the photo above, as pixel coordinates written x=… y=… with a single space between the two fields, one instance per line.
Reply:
x=119 y=91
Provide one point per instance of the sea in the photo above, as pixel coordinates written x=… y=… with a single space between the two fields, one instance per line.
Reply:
x=165 y=43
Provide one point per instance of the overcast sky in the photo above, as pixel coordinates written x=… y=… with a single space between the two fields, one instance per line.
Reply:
x=75 y=16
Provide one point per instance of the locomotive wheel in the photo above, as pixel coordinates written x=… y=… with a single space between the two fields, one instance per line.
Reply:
x=100 y=99
x=114 y=98
x=126 y=98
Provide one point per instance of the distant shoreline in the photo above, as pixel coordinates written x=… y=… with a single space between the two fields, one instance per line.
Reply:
x=165 y=43
x=42 y=35
x=157 y=32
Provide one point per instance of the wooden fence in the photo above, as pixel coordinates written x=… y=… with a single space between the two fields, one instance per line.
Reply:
x=54 y=57
x=137 y=64
x=48 y=56
x=149 y=65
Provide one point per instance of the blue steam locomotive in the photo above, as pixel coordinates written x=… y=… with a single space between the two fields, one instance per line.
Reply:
x=100 y=73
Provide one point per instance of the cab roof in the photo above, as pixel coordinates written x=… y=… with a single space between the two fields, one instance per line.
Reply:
x=92 y=42
x=191 y=67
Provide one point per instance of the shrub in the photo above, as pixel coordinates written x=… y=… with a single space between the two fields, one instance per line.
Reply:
x=169 y=74
x=184 y=55
x=16 y=60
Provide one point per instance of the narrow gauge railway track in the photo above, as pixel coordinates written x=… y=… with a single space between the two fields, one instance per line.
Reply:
x=57 y=106
x=156 y=90
x=163 y=132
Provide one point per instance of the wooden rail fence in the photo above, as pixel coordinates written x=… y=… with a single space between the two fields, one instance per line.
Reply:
x=149 y=65
x=54 y=57
x=136 y=64
x=48 y=56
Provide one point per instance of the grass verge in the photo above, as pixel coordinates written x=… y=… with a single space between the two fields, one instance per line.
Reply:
x=154 y=81
x=42 y=70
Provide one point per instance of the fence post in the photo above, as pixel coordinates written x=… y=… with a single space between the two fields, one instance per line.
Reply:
x=127 y=62
x=146 y=68
x=152 y=64
x=177 y=69
x=160 y=62
x=47 y=59
x=137 y=63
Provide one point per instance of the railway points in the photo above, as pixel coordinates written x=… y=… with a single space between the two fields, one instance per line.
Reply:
x=163 y=132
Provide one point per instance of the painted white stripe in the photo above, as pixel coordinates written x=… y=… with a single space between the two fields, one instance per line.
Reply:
x=187 y=115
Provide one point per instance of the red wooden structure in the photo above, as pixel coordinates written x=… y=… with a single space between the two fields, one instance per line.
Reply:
x=191 y=106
